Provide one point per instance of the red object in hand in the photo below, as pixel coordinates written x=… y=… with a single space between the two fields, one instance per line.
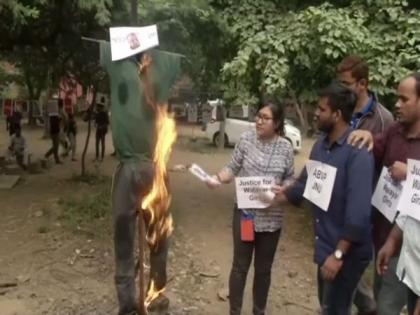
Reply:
x=247 y=229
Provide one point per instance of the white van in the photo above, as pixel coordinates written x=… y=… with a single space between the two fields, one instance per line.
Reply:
x=235 y=126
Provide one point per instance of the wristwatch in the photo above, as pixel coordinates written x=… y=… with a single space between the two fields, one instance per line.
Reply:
x=338 y=254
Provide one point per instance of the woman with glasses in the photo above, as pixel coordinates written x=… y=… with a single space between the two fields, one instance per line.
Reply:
x=262 y=152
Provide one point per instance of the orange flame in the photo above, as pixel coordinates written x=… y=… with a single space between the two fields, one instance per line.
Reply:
x=152 y=294
x=157 y=201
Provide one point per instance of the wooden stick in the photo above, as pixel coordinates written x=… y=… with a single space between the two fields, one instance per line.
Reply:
x=89 y=39
x=142 y=236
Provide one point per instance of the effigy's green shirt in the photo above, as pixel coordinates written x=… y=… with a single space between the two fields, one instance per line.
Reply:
x=132 y=119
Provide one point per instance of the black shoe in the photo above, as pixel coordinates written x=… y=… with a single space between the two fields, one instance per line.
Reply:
x=58 y=162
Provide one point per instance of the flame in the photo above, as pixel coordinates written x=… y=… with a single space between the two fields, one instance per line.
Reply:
x=152 y=294
x=157 y=201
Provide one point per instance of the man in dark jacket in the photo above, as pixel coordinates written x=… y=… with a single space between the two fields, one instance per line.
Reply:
x=369 y=115
x=54 y=122
x=101 y=122
x=13 y=121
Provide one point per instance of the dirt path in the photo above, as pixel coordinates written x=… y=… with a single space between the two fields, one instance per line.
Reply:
x=59 y=272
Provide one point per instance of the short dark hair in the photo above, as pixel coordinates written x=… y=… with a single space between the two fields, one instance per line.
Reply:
x=340 y=98
x=356 y=65
x=277 y=112
x=416 y=76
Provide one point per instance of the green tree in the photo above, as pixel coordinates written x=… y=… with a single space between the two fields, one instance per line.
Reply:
x=294 y=53
x=194 y=29
x=41 y=37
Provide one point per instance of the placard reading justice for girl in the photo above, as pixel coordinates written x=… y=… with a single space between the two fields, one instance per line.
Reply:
x=409 y=203
x=387 y=195
x=249 y=190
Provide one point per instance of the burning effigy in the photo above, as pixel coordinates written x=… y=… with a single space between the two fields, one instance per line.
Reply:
x=141 y=78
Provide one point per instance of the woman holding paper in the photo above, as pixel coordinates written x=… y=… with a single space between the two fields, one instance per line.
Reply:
x=267 y=157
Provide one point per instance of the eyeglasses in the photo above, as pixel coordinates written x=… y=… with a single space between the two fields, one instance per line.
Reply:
x=348 y=84
x=263 y=118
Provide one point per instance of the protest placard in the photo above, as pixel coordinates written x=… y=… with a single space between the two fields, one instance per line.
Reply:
x=320 y=183
x=249 y=191
x=409 y=203
x=129 y=41
x=387 y=194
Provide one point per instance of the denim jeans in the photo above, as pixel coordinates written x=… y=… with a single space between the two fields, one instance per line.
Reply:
x=264 y=248
x=129 y=180
x=390 y=292
x=55 y=138
x=100 y=144
x=363 y=299
x=412 y=299
x=336 y=297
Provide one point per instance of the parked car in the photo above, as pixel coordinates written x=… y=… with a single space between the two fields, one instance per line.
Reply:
x=235 y=127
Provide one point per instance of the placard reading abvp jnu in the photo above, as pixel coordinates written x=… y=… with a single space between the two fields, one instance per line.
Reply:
x=248 y=190
x=410 y=198
x=320 y=183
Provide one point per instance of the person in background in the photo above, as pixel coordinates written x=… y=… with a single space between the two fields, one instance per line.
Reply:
x=370 y=115
x=101 y=122
x=63 y=127
x=262 y=151
x=13 y=122
x=18 y=148
x=343 y=240
x=54 y=124
x=71 y=132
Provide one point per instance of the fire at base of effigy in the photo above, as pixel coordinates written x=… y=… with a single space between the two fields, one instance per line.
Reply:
x=156 y=205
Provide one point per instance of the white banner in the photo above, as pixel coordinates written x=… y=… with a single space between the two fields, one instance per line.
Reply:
x=129 y=41
x=410 y=198
x=320 y=183
x=387 y=194
x=250 y=191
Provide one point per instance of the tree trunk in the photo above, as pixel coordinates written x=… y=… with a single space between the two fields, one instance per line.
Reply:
x=31 y=95
x=303 y=122
x=31 y=118
x=134 y=5
x=44 y=102
x=222 y=128
x=89 y=117
x=305 y=115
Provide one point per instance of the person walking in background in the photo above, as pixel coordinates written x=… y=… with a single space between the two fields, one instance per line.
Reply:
x=71 y=132
x=63 y=127
x=18 y=149
x=54 y=123
x=101 y=122
x=260 y=152
x=13 y=122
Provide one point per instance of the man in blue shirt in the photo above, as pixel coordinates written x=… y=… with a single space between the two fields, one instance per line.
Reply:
x=343 y=244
